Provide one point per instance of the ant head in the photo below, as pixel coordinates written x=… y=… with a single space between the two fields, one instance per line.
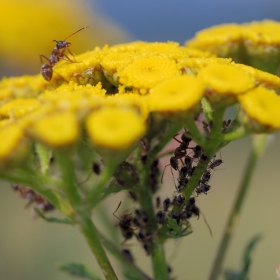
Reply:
x=62 y=44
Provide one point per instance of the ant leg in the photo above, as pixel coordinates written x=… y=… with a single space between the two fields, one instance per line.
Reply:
x=163 y=172
x=43 y=56
x=66 y=58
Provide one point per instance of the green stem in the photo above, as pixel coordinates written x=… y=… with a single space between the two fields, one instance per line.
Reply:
x=68 y=177
x=44 y=157
x=146 y=202
x=112 y=248
x=92 y=236
x=259 y=144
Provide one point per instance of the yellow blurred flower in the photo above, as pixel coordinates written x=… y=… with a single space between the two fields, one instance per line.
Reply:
x=56 y=130
x=175 y=95
x=115 y=128
x=224 y=82
x=35 y=24
x=13 y=146
x=260 y=110
x=18 y=108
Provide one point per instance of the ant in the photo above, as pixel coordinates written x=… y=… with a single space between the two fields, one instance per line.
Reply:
x=57 y=53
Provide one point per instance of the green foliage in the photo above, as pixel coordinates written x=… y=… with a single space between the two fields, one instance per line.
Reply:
x=177 y=230
x=79 y=270
x=247 y=258
x=52 y=219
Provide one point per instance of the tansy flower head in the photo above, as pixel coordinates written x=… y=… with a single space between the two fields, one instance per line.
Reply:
x=84 y=70
x=146 y=72
x=265 y=79
x=260 y=109
x=224 y=82
x=115 y=129
x=56 y=130
x=224 y=40
x=18 y=107
x=14 y=145
x=192 y=66
x=176 y=95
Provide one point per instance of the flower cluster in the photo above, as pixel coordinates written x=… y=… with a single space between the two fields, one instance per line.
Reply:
x=112 y=91
x=255 y=44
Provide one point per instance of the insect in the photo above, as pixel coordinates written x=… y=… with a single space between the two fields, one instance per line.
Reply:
x=204 y=188
x=160 y=217
x=216 y=163
x=57 y=53
x=125 y=224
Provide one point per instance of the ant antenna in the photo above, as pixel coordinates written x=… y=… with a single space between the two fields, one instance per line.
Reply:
x=77 y=31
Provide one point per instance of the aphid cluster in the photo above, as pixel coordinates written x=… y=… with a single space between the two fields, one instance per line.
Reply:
x=57 y=54
x=33 y=197
x=135 y=224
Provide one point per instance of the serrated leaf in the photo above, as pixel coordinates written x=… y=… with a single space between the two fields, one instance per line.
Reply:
x=176 y=230
x=52 y=219
x=80 y=270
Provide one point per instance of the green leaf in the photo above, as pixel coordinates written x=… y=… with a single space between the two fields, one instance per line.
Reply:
x=177 y=230
x=129 y=276
x=52 y=219
x=80 y=270
x=247 y=259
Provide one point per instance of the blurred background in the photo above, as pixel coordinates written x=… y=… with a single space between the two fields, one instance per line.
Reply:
x=29 y=247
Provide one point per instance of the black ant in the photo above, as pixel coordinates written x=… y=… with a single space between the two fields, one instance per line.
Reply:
x=57 y=53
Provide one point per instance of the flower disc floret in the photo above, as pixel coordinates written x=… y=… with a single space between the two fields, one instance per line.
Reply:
x=115 y=128
x=146 y=72
x=18 y=108
x=176 y=94
x=57 y=130
x=224 y=80
x=262 y=107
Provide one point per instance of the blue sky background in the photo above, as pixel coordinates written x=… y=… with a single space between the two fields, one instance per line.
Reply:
x=179 y=20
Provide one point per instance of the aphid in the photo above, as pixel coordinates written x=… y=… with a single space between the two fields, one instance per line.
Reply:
x=197 y=151
x=127 y=254
x=176 y=217
x=216 y=163
x=96 y=168
x=178 y=200
x=225 y=125
x=160 y=217
x=57 y=53
x=188 y=162
x=125 y=224
x=132 y=195
x=204 y=188
x=205 y=177
x=203 y=158
x=147 y=248
x=158 y=201
x=33 y=197
x=166 y=204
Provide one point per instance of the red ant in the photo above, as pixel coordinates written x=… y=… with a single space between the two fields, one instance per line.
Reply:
x=57 y=53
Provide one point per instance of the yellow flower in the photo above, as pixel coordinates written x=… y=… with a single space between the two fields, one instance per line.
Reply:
x=71 y=97
x=266 y=79
x=13 y=145
x=57 y=129
x=175 y=95
x=18 y=108
x=34 y=25
x=115 y=128
x=261 y=109
x=84 y=70
x=146 y=72
x=223 y=39
x=225 y=82
x=192 y=66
